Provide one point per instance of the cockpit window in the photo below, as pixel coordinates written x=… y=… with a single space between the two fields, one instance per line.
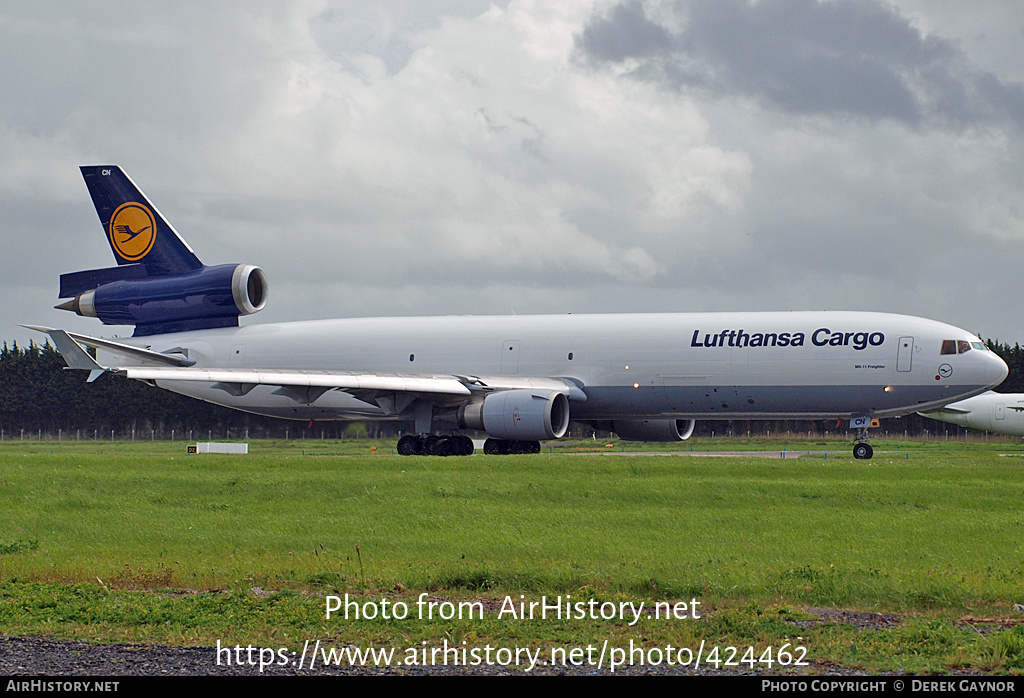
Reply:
x=959 y=346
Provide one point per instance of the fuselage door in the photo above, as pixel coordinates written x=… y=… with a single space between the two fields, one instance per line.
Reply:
x=510 y=357
x=905 y=353
x=1000 y=410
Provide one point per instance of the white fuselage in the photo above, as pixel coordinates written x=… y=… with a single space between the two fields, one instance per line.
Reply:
x=687 y=365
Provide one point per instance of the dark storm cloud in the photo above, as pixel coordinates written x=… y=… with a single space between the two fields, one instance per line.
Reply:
x=844 y=57
x=625 y=33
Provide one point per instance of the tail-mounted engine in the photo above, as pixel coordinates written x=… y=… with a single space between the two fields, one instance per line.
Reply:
x=200 y=299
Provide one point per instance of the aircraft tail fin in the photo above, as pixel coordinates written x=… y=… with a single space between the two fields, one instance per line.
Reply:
x=136 y=230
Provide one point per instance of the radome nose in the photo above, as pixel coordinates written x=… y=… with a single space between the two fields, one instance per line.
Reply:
x=996 y=370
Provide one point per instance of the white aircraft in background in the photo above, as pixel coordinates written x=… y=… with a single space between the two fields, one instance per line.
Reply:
x=517 y=379
x=1000 y=413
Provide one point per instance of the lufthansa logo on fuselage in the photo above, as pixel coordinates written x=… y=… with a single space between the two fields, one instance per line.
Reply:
x=132 y=231
x=821 y=337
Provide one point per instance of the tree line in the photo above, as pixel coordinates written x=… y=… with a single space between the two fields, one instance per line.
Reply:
x=38 y=396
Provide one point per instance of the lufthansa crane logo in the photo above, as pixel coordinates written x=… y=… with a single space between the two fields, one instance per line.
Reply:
x=132 y=231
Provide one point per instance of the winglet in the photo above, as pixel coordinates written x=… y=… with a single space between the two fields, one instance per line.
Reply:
x=74 y=355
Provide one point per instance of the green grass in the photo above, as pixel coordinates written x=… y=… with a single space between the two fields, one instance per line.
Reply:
x=137 y=541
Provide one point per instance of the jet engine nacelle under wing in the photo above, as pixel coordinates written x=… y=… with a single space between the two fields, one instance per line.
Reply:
x=519 y=415
x=653 y=429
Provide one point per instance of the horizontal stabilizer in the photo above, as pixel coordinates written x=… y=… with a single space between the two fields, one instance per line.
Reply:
x=78 y=282
x=119 y=348
x=948 y=409
x=75 y=356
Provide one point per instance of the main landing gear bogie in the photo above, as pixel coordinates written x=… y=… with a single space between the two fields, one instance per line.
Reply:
x=458 y=445
x=435 y=445
x=501 y=447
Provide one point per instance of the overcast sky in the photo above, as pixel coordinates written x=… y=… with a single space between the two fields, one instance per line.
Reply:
x=468 y=157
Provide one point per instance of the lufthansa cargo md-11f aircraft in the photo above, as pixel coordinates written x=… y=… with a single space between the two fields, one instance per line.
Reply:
x=517 y=379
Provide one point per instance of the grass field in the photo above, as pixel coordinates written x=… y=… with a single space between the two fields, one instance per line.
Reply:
x=137 y=541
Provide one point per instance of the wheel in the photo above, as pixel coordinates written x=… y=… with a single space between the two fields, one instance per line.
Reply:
x=495 y=447
x=407 y=445
x=466 y=445
x=435 y=445
x=863 y=450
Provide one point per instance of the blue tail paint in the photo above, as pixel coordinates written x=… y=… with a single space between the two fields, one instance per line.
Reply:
x=135 y=229
x=159 y=285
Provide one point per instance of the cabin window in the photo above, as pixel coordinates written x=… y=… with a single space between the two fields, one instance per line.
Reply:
x=412 y=357
x=570 y=356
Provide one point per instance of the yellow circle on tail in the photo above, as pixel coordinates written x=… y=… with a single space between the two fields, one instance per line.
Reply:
x=132 y=231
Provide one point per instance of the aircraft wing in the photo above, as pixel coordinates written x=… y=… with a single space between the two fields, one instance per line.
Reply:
x=305 y=379
x=301 y=385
